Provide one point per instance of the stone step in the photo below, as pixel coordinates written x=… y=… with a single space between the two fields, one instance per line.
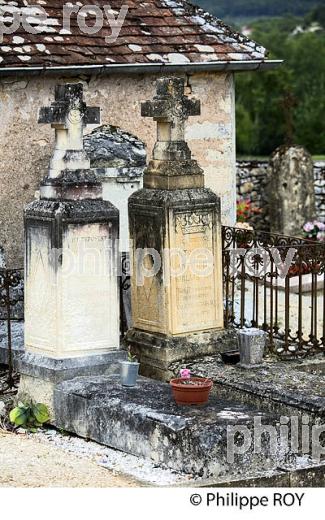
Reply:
x=39 y=374
x=146 y=422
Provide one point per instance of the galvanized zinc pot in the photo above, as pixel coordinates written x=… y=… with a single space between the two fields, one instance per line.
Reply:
x=251 y=343
x=129 y=372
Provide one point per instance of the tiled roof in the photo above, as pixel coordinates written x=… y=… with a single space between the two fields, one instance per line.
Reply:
x=154 y=32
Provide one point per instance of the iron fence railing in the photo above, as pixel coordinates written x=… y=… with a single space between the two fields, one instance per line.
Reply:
x=276 y=283
x=125 y=295
x=11 y=309
x=260 y=290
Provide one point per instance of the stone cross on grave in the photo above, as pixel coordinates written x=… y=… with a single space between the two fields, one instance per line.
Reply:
x=174 y=212
x=69 y=115
x=171 y=109
x=172 y=166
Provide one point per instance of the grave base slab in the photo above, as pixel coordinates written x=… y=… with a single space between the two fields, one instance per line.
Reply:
x=146 y=422
x=40 y=374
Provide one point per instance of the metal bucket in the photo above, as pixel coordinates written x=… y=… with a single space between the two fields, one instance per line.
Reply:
x=129 y=373
x=251 y=343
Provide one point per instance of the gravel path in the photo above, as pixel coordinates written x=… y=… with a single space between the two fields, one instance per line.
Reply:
x=27 y=462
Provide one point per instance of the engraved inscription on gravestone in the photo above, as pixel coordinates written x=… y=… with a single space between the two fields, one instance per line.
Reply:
x=194 y=291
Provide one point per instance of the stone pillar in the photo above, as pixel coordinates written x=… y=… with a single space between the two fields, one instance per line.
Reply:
x=175 y=233
x=71 y=284
x=291 y=190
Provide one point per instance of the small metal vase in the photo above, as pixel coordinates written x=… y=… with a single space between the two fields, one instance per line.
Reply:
x=129 y=372
x=251 y=343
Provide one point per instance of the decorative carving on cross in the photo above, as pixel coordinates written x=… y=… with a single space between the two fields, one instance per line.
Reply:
x=171 y=109
x=172 y=166
x=69 y=115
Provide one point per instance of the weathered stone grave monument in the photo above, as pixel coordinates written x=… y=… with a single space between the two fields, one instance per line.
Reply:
x=71 y=289
x=175 y=233
x=292 y=191
x=72 y=326
x=118 y=158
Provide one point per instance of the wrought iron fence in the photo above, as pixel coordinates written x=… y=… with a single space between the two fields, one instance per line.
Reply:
x=125 y=295
x=11 y=309
x=257 y=291
x=276 y=283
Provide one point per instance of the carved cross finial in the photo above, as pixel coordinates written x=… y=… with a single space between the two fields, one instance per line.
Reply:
x=171 y=109
x=69 y=115
x=172 y=166
x=69 y=112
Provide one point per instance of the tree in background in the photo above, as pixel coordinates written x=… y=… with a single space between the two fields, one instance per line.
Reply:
x=265 y=116
x=240 y=9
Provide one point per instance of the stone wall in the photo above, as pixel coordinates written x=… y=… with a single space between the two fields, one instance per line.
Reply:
x=252 y=183
x=320 y=189
x=26 y=146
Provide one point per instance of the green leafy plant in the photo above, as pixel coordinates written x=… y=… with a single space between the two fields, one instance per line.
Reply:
x=131 y=357
x=29 y=416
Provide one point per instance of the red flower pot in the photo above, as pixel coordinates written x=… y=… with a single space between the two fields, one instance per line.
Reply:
x=194 y=390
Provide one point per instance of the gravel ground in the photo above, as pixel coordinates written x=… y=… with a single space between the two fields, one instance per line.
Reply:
x=141 y=470
x=26 y=461
x=51 y=458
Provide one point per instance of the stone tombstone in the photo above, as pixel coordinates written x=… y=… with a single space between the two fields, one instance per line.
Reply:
x=118 y=159
x=71 y=286
x=175 y=231
x=292 y=192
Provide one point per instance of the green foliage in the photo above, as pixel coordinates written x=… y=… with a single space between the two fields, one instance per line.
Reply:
x=286 y=105
x=317 y=15
x=232 y=9
x=29 y=416
x=246 y=210
x=131 y=357
x=265 y=117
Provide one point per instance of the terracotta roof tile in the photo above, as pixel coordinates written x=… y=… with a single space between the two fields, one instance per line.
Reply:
x=154 y=31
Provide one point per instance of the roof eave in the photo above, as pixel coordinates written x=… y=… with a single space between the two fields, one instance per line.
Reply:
x=140 y=68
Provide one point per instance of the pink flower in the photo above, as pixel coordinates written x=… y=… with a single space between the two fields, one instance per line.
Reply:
x=309 y=226
x=185 y=373
x=321 y=236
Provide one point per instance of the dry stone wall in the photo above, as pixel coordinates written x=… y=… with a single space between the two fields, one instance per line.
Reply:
x=253 y=184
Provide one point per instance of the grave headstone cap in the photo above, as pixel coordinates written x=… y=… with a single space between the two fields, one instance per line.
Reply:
x=172 y=166
x=170 y=102
x=69 y=103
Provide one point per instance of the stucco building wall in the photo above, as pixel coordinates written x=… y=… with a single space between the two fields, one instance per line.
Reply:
x=26 y=146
